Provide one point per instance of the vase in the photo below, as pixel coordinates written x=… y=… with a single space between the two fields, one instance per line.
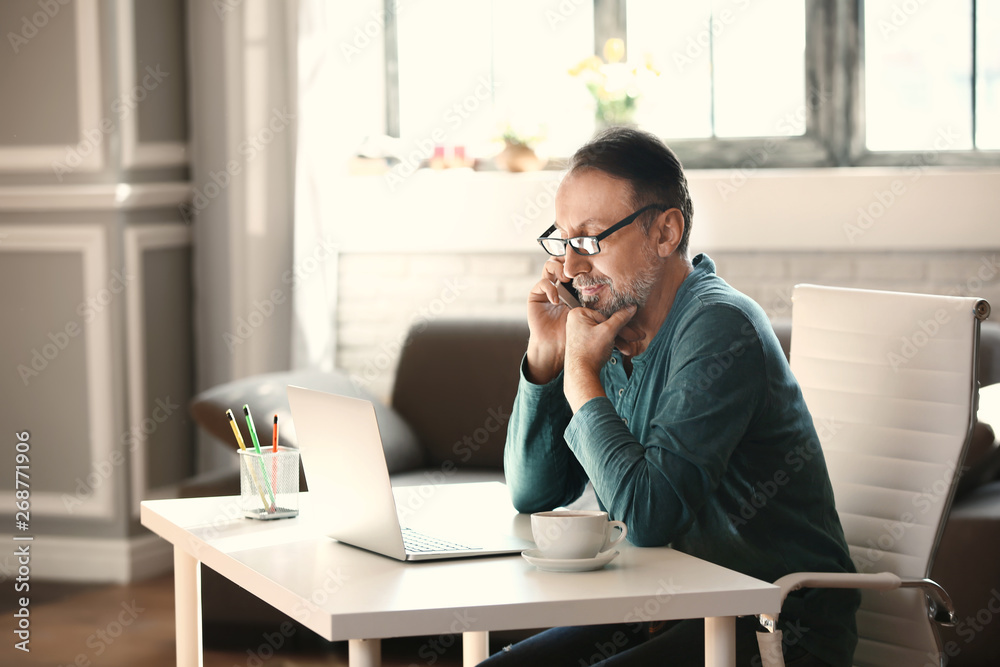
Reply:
x=517 y=157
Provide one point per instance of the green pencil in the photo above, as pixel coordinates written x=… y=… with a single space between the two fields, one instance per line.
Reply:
x=256 y=447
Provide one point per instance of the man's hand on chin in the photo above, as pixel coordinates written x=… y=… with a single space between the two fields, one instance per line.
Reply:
x=590 y=338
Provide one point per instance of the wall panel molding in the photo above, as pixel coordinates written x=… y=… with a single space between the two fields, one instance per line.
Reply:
x=103 y=197
x=88 y=66
x=91 y=242
x=139 y=239
x=92 y=560
x=136 y=154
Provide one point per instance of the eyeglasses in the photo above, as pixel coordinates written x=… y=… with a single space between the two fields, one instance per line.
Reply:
x=589 y=245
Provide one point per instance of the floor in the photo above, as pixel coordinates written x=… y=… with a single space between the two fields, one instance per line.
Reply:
x=133 y=626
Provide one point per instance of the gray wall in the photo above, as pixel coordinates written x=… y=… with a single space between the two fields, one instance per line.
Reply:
x=93 y=170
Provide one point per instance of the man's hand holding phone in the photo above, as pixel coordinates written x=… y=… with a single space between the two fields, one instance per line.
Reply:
x=568 y=295
x=547 y=323
x=549 y=304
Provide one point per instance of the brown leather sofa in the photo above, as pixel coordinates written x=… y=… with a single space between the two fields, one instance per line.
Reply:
x=454 y=386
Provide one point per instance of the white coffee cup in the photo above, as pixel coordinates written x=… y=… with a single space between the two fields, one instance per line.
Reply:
x=573 y=534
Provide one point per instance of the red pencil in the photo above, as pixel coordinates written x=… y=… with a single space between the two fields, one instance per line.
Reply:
x=274 y=439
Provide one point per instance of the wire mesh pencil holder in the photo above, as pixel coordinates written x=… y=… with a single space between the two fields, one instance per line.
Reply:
x=269 y=483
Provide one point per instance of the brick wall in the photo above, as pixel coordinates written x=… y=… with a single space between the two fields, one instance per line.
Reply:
x=381 y=296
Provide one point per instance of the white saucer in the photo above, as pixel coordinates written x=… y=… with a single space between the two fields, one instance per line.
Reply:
x=535 y=557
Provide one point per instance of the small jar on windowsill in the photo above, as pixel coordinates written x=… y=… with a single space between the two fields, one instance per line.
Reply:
x=518 y=157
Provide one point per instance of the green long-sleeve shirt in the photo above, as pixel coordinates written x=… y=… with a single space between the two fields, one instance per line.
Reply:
x=707 y=446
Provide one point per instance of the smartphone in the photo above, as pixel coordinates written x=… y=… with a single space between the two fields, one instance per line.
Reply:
x=567 y=294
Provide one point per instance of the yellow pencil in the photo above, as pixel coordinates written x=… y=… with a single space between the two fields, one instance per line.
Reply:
x=239 y=441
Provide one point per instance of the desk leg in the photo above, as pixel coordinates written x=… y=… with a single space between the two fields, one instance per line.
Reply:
x=475 y=647
x=187 y=609
x=720 y=641
x=364 y=653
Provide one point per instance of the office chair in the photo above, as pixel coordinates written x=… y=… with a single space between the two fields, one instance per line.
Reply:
x=891 y=378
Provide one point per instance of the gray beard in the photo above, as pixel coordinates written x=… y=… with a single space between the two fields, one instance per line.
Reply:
x=634 y=291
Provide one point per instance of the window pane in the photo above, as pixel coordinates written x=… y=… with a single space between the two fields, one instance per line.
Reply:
x=535 y=45
x=755 y=50
x=467 y=68
x=918 y=75
x=759 y=67
x=673 y=35
x=444 y=72
x=988 y=74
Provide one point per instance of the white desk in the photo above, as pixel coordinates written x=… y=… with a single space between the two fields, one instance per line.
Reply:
x=344 y=593
x=989 y=406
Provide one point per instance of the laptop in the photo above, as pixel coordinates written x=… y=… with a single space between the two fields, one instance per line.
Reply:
x=344 y=465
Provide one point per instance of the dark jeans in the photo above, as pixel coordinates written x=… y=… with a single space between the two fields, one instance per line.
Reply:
x=675 y=643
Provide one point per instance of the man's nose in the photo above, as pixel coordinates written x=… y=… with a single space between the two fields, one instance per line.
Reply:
x=574 y=263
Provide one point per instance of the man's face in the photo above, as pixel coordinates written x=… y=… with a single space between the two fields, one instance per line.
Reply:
x=625 y=270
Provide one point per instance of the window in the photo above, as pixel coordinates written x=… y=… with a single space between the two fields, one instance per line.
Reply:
x=782 y=83
x=703 y=51
x=930 y=81
x=468 y=69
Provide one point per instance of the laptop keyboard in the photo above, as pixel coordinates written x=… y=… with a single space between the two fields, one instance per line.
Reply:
x=416 y=542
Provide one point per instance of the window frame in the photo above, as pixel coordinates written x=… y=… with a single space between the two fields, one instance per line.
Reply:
x=860 y=155
x=835 y=105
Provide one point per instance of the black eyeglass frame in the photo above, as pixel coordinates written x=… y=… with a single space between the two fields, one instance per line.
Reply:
x=575 y=241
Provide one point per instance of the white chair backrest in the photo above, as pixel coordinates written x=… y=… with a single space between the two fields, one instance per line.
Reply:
x=890 y=381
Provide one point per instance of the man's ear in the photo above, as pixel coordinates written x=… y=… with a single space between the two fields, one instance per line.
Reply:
x=668 y=231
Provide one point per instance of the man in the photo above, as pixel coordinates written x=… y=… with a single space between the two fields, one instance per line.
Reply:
x=669 y=392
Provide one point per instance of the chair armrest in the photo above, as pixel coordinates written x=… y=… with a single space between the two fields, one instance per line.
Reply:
x=942 y=610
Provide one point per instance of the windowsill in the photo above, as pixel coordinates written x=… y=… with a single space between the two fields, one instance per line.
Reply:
x=847 y=209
